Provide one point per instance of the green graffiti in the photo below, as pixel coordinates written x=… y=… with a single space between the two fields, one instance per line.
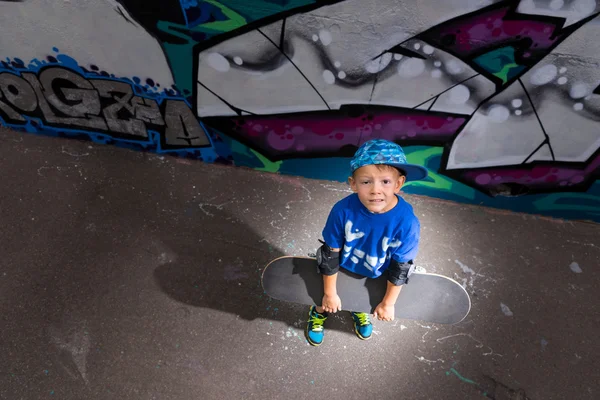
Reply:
x=562 y=201
x=268 y=166
x=424 y=156
x=243 y=155
x=500 y=63
x=508 y=71
x=234 y=20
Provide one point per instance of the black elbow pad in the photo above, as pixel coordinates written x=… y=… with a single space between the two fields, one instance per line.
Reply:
x=328 y=261
x=398 y=272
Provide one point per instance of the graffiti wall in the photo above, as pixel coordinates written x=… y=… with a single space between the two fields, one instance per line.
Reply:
x=500 y=100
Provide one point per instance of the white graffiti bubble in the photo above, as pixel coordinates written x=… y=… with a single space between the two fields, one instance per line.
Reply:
x=543 y=75
x=454 y=67
x=526 y=6
x=562 y=80
x=337 y=64
x=238 y=60
x=459 y=94
x=328 y=77
x=315 y=38
x=562 y=70
x=417 y=46
x=575 y=267
x=325 y=37
x=427 y=49
x=378 y=64
x=437 y=64
x=556 y=4
x=341 y=74
x=218 y=62
x=411 y=68
x=436 y=73
x=578 y=106
x=516 y=103
x=579 y=90
x=518 y=112
x=397 y=57
x=498 y=113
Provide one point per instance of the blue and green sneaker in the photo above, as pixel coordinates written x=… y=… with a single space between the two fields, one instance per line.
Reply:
x=314 y=328
x=362 y=325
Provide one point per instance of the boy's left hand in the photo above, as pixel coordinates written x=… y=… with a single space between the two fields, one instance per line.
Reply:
x=384 y=312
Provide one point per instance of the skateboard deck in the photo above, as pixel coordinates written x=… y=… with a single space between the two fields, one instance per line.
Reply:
x=426 y=297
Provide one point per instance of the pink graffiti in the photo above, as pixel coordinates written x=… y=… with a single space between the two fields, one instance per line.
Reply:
x=471 y=33
x=318 y=133
x=537 y=177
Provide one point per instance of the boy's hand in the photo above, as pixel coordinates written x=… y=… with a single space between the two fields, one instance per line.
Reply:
x=332 y=303
x=384 y=312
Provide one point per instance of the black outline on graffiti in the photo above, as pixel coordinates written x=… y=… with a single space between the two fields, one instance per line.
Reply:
x=435 y=98
x=235 y=109
x=398 y=49
x=295 y=66
x=547 y=140
x=121 y=13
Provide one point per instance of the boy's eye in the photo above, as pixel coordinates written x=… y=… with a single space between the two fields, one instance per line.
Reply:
x=365 y=182
x=386 y=181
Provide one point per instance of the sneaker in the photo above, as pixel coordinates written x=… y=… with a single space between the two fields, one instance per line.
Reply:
x=362 y=325
x=314 y=328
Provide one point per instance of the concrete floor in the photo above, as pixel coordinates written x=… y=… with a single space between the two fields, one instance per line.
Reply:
x=127 y=275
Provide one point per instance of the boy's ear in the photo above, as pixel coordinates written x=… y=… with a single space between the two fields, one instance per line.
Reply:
x=399 y=183
x=352 y=183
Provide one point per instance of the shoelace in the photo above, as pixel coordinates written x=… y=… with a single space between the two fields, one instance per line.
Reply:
x=317 y=322
x=363 y=318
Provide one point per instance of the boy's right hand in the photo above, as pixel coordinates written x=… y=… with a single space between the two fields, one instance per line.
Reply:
x=332 y=303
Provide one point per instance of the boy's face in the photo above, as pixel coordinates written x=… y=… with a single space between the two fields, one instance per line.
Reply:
x=377 y=186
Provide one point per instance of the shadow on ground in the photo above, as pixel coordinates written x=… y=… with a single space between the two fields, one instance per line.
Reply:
x=224 y=274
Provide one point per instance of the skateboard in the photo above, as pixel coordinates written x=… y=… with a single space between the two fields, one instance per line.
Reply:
x=425 y=297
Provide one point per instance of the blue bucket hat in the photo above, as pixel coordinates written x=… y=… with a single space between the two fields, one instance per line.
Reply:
x=380 y=151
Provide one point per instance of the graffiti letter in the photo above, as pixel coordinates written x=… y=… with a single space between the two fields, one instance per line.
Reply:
x=114 y=113
x=17 y=92
x=147 y=110
x=8 y=87
x=75 y=102
x=85 y=100
x=11 y=114
x=183 y=128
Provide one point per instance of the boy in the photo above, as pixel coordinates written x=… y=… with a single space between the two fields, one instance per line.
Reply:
x=370 y=232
